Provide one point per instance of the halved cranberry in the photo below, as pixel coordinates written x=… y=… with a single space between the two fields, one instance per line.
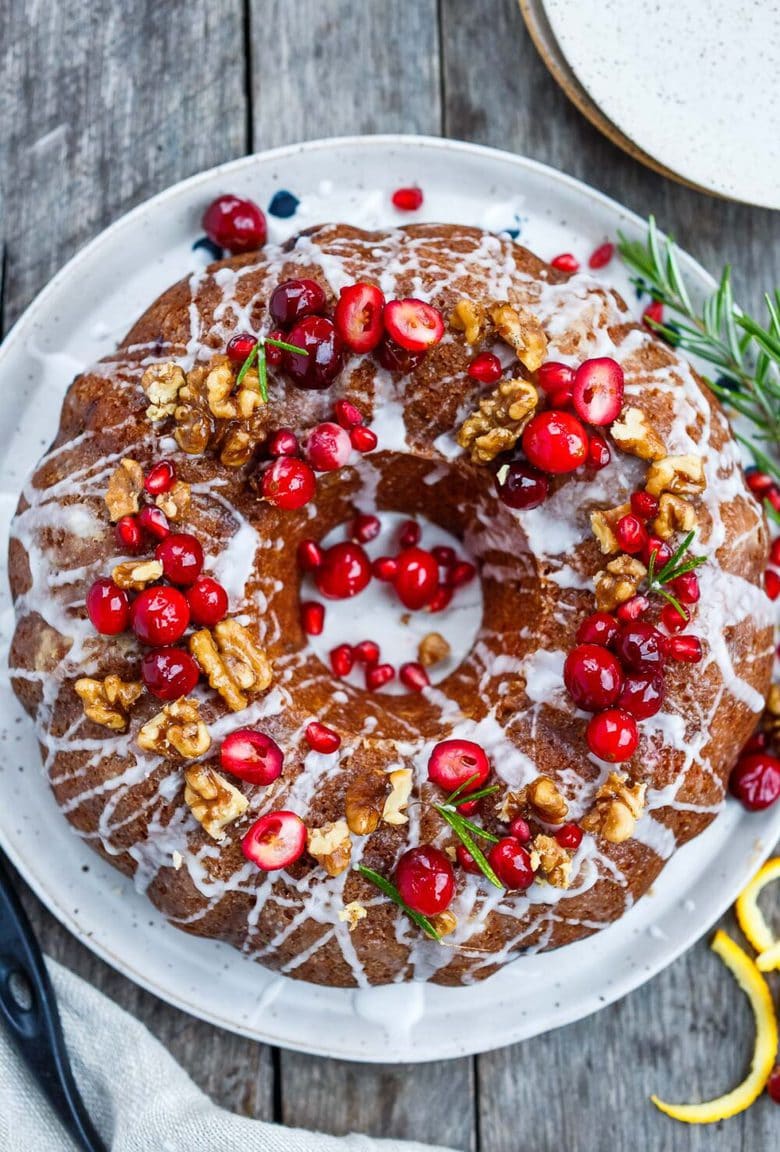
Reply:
x=160 y=615
x=407 y=199
x=154 y=521
x=612 y=735
x=252 y=756
x=569 y=836
x=409 y=534
x=555 y=442
x=466 y=860
x=318 y=337
x=633 y=609
x=358 y=316
x=413 y=324
x=642 y=694
x=599 y=453
x=275 y=841
x=597 y=393
x=385 y=568
x=672 y=619
x=756 y=780
x=312 y=617
x=461 y=573
x=239 y=346
x=169 y=673
x=181 y=556
x=235 y=224
x=345 y=570
x=485 y=368
x=208 y=601
x=659 y=550
x=639 y=647
x=294 y=299
x=328 y=447
x=413 y=676
x=283 y=442
x=511 y=863
x=553 y=376
x=644 y=505
x=160 y=478
x=347 y=415
x=363 y=439
x=309 y=555
x=520 y=486
x=601 y=256
x=128 y=534
x=342 y=660
x=458 y=764
x=566 y=262
x=416 y=578
x=598 y=628
x=593 y=677
x=685 y=648
x=108 y=607
x=425 y=880
x=377 y=675
x=320 y=738
x=289 y=483
x=520 y=829
x=364 y=528
x=366 y=652
x=630 y=534
x=394 y=358
x=653 y=312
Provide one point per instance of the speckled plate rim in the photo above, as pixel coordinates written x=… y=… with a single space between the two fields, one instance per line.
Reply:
x=741 y=841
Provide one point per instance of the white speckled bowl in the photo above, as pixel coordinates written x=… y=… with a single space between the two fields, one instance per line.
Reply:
x=84 y=310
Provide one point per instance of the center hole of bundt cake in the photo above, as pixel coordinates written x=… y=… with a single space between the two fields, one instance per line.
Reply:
x=421 y=605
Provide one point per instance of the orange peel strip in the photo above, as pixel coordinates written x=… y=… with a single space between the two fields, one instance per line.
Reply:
x=757 y=991
x=751 y=918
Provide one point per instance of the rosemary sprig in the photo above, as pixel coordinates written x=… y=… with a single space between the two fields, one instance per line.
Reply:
x=466 y=832
x=393 y=894
x=258 y=354
x=457 y=797
x=676 y=565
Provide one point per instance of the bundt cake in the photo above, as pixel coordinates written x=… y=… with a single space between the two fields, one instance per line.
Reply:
x=339 y=818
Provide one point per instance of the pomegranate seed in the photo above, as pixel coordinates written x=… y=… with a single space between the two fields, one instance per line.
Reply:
x=317 y=336
x=485 y=368
x=345 y=570
x=342 y=660
x=685 y=648
x=240 y=346
x=773 y=1084
x=520 y=486
x=756 y=781
x=658 y=549
x=468 y=807
x=274 y=355
x=644 y=505
x=511 y=863
x=128 y=534
x=467 y=861
x=520 y=829
x=593 y=677
x=309 y=555
x=461 y=573
x=364 y=528
x=413 y=676
x=409 y=535
x=672 y=620
x=773 y=496
x=154 y=521
x=653 y=312
x=160 y=615
x=633 y=609
x=363 y=439
x=440 y=599
x=569 y=836
x=555 y=442
x=458 y=764
x=417 y=578
x=288 y=483
x=377 y=675
x=772 y=583
x=366 y=652
x=686 y=588
x=169 y=673
x=385 y=568
x=443 y=555
x=642 y=694
x=599 y=454
x=208 y=601
x=181 y=556
x=554 y=376
x=235 y=224
x=597 y=393
x=774 y=552
x=108 y=607
x=598 y=628
x=358 y=317
x=601 y=256
x=328 y=447
x=312 y=617
x=612 y=735
x=407 y=199
x=283 y=442
x=413 y=324
x=294 y=299
x=759 y=483
x=566 y=262
x=639 y=647
x=425 y=880
x=251 y=756
x=275 y=841
x=630 y=534
x=347 y=415
x=160 y=478
x=394 y=358
x=320 y=738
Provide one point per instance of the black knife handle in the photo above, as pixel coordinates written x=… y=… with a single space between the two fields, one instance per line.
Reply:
x=28 y=1008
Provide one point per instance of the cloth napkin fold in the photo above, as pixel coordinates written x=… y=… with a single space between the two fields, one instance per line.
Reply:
x=137 y=1095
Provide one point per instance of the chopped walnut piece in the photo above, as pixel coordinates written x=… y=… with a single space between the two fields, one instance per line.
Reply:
x=632 y=433
x=232 y=662
x=616 y=809
x=352 y=914
x=213 y=801
x=134 y=575
x=108 y=701
x=512 y=804
x=124 y=489
x=523 y=333
x=618 y=582
x=469 y=318
x=553 y=861
x=546 y=801
x=401 y=784
x=498 y=422
x=364 y=801
x=603 y=525
x=194 y=422
x=176 y=502
x=674 y=515
x=331 y=846
x=432 y=649
x=682 y=475
x=219 y=386
x=237 y=448
x=444 y=922
x=161 y=383
x=178 y=727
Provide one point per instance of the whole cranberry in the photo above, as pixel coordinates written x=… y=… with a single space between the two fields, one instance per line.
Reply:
x=345 y=570
x=289 y=483
x=642 y=694
x=328 y=447
x=593 y=677
x=160 y=615
x=108 y=607
x=458 y=764
x=555 y=442
x=317 y=336
x=639 y=647
x=294 y=299
x=181 y=556
x=394 y=358
x=169 y=673
x=612 y=735
x=239 y=347
x=511 y=863
x=235 y=224
x=756 y=780
x=598 y=628
x=521 y=486
x=208 y=601
x=416 y=578
x=425 y=880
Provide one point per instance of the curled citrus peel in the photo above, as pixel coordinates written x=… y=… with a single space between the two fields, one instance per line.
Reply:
x=757 y=991
x=751 y=918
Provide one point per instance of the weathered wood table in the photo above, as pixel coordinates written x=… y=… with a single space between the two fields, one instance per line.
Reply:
x=104 y=104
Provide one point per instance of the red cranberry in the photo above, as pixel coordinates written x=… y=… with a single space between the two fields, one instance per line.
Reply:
x=377 y=675
x=363 y=439
x=560 y=397
x=364 y=528
x=599 y=454
x=394 y=358
x=345 y=570
x=309 y=555
x=644 y=505
x=320 y=738
x=154 y=521
x=342 y=660
x=366 y=652
x=294 y=299
x=773 y=1084
x=555 y=442
x=569 y=837
x=774 y=552
x=759 y=483
x=658 y=549
x=318 y=337
x=672 y=619
x=160 y=478
x=252 y=756
x=597 y=393
x=461 y=573
x=633 y=609
x=407 y=199
x=413 y=676
x=593 y=677
x=458 y=764
x=347 y=415
x=443 y=555
x=688 y=649
x=653 y=313
x=181 y=556
x=612 y=735
x=520 y=486
x=772 y=583
x=756 y=780
x=409 y=534
x=275 y=841
x=274 y=355
x=468 y=807
x=208 y=601
x=385 y=568
x=240 y=346
x=642 y=694
x=235 y=224
x=328 y=447
x=601 y=256
x=312 y=617
x=511 y=863
x=413 y=324
x=485 y=368
x=598 y=628
x=520 y=829
x=425 y=880
x=160 y=615
x=639 y=647
x=773 y=496
x=417 y=578
x=555 y=377
x=467 y=861
x=288 y=483
x=758 y=742
x=358 y=317
x=440 y=599
x=283 y=442
x=630 y=534
x=566 y=262
x=128 y=534
x=169 y=673
x=108 y=607
x=686 y=588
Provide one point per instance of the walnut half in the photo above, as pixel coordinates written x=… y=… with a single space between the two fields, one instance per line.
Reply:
x=364 y=801
x=232 y=662
x=543 y=797
x=523 y=333
x=108 y=701
x=617 y=808
x=178 y=727
x=632 y=433
x=401 y=785
x=618 y=582
x=161 y=383
x=124 y=489
x=498 y=422
x=213 y=801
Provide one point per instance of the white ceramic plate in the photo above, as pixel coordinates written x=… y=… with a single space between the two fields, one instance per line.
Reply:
x=696 y=86
x=86 y=308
